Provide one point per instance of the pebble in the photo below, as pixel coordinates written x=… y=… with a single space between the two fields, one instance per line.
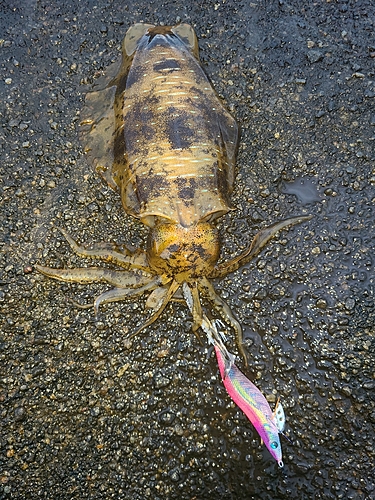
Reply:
x=19 y=413
x=167 y=417
x=121 y=371
x=14 y=123
x=160 y=380
x=321 y=303
x=95 y=411
x=174 y=474
x=314 y=56
x=350 y=304
x=347 y=390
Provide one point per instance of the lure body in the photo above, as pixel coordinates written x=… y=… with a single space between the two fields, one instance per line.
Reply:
x=252 y=402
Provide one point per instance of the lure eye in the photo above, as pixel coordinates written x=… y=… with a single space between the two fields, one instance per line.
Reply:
x=274 y=445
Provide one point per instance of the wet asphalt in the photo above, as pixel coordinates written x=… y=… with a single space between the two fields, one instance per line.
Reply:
x=87 y=413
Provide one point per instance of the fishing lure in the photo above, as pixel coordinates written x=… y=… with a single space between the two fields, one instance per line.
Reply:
x=158 y=134
x=242 y=391
x=248 y=397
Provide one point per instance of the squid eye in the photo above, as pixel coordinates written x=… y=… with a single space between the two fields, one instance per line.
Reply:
x=274 y=445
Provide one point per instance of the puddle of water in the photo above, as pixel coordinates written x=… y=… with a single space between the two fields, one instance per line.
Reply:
x=305 y=190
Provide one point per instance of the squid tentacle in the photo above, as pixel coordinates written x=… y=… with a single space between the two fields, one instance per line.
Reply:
x=171 y=291
x=224 y=310
x=191 y=296
x=121 y=279
x=118 y=294
x=137 y=260
x=259 y=241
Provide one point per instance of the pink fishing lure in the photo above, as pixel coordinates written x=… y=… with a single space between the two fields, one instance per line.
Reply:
x=252 y=402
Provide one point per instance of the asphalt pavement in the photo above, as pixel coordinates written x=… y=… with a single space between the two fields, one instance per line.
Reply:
x=86 y=413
